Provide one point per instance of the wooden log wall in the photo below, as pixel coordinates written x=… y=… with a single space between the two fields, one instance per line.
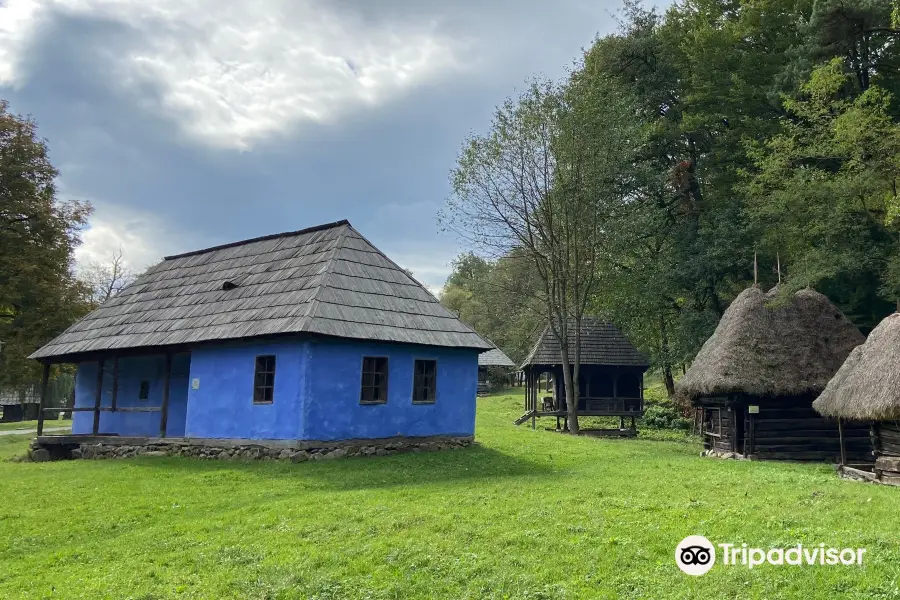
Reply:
x=789 y=429
x=887 y=434
x=723 y=443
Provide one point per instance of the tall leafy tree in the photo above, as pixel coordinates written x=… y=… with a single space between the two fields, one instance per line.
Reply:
x=39 y=296
x=546 y=181
x=499 y=298
x=826 y=187
x=702 y=76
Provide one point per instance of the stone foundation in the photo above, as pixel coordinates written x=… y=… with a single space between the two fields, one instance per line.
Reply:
x=44 y=449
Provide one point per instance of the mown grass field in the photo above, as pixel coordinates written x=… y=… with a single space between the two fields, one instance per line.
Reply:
x=526 y=514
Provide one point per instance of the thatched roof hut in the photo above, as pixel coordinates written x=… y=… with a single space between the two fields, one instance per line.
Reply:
x=766 y=346
x=867 y=386
x=755 y=378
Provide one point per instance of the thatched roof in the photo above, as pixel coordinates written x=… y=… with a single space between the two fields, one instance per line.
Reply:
x=867 y=386
x=764 y=347
x=601 y=344
x=494 y=358
x=326 y=280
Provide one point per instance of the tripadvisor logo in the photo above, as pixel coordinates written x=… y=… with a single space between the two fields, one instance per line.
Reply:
x=696 y=555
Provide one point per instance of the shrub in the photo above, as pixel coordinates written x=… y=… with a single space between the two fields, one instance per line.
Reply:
x=665 y=416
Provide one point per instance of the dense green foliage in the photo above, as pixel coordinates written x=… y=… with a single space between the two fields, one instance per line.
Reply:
x=766 y=127
x=495 y=521
x=499 y=299
x=39 y=295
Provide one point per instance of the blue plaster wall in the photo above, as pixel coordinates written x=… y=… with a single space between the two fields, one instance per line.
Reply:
x=222 y=406
x=316 y=397
x=132 y=371
x=332 y=410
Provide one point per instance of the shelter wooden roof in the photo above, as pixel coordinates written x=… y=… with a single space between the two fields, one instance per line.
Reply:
x=602 y=343
x=494 y=358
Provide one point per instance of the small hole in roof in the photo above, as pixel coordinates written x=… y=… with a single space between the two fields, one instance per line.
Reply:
x=229 y=285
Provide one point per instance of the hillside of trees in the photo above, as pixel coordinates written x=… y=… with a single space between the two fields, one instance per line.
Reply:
x=642 y=186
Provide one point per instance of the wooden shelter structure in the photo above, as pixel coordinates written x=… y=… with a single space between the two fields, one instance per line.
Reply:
x=755 y=378
x=492 y=361
x=866 y=391
x=611 y=375
x=12 y=410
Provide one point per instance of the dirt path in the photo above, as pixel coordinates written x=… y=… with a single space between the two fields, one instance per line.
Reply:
x=27 y=431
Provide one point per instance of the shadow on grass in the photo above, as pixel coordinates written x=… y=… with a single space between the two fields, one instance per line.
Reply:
x=414 y=468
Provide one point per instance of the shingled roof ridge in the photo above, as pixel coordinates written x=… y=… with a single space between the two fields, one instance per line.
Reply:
x=261 y=238
x=396 y=266
x=421 y=285
x=325 y=276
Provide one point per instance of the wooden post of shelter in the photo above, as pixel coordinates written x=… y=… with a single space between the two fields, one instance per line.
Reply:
x=534 y=402
x=841 y=440
x=45 y=379
x=164 y=413
x=98 y=397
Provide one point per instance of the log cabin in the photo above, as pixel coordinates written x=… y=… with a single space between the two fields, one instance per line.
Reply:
x=755 y=379
x=866 y=390
x=305 y=335
x=610 y=382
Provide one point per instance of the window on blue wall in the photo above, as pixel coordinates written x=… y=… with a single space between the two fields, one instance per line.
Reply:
x=144 y=390
x=374 y=380
x=264 y=380
x=424 y=381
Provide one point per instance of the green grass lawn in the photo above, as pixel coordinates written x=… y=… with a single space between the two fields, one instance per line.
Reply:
x=525 y=514
x=33 y=424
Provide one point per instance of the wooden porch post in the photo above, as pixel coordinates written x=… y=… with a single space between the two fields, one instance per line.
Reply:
x=115 y=384
x=45 y=378
x=642 y=392
x=841 y=439
x=98 y=396
x=525 y=380
x=167 y=378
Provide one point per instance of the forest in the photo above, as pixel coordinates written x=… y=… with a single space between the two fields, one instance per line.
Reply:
x=691 y=153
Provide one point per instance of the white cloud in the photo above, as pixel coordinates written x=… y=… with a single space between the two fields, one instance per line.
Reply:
x=234 y=73
x=18 y=21
x=142 y=236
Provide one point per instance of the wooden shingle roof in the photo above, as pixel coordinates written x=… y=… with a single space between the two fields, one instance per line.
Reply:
x=326 y=280
x=601 y=344
x=494 y=358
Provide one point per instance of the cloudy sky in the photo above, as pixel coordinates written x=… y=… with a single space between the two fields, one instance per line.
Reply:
x=189 y=123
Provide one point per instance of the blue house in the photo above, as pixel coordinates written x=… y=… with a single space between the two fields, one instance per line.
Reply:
x=307 y=335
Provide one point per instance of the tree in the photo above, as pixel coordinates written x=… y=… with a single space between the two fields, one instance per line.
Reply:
x=500 y=299
x=546 y=183
x=826 y=186
x=860 y=32
x=39 y=296
x=105 y=279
